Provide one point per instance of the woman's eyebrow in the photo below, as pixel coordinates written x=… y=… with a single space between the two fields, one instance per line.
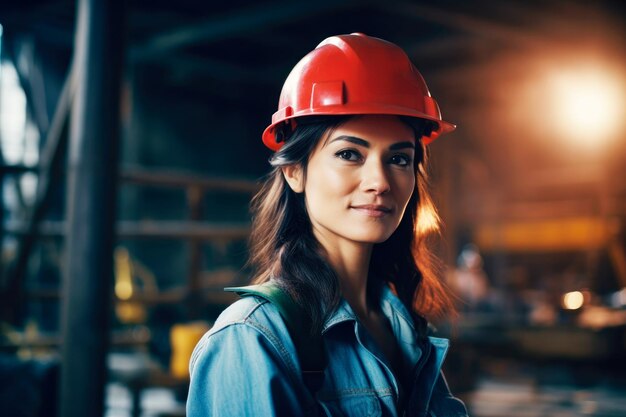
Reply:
x=353 y=139
x=402 y=145
x=366 y=144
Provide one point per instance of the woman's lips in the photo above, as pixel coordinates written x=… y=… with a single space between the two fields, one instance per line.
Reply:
x=373 y=210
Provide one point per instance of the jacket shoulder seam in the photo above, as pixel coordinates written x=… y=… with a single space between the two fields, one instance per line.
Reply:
x=278 y=345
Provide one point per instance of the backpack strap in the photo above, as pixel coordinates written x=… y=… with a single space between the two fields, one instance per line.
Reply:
x=309 y=348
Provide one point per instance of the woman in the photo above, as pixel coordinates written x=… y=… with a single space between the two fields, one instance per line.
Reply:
x=340 y=226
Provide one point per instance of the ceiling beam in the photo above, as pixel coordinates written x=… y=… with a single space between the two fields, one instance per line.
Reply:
x=465 y=23
x=184 y=66
x=234 y=23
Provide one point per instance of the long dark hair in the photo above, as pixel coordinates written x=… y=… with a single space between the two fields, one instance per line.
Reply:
x=284 y=249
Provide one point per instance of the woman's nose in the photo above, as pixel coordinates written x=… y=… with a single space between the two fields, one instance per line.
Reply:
x=375 y=179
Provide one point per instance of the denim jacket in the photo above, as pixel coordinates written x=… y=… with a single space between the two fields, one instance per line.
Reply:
x=247 y=365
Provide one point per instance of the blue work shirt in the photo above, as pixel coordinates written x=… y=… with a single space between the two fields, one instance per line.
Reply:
x=247 y=365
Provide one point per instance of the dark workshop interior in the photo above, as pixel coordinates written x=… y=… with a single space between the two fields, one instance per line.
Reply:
x=131 y=145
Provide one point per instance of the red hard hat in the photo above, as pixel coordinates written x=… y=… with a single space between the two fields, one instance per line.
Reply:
x=355 y=74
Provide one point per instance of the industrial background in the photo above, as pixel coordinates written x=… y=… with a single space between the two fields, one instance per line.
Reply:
x=130 y=147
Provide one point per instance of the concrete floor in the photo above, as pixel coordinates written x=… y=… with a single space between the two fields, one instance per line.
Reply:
x=523 y=398
x=504 y=395
x=155 y=402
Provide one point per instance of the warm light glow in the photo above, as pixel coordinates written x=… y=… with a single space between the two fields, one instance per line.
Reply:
x=123 y=290
x=427 y=220
x=572 y=101
x=585 y=105
x=573 y=300
x=123 y=274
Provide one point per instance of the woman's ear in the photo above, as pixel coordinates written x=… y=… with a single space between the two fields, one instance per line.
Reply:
x=294 y=176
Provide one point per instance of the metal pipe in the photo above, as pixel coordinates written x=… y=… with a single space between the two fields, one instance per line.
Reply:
x=92 y=180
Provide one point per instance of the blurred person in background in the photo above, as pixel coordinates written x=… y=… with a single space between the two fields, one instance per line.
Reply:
x=339 y=232
x=469 y=280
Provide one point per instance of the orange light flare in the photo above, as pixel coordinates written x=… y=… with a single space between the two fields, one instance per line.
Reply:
x=586 y=103
x=573 y=101
x=574 y=300
x=428 y=220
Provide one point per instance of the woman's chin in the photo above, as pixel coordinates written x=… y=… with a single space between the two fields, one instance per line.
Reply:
x=372 y=238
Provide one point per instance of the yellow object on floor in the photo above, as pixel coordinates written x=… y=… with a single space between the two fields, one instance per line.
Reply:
x=183 y=338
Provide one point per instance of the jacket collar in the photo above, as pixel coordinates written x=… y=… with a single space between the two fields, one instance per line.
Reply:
x=399 y=318
x=390 y=304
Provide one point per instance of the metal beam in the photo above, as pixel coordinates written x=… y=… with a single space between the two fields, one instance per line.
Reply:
x=441 y=46
x=177 y=179
x=185 y=66
x=91 y=202
x=49 y=172
x=144 y=229
x=233 y=24
x=465 y=23
x=14 y=169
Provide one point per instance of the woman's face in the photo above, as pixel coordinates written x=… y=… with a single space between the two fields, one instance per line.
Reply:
x=359 y=180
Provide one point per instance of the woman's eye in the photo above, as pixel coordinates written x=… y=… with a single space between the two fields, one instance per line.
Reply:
x=401 y=160
x=348 y=155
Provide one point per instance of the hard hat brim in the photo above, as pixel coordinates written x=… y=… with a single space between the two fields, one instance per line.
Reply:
x=443 y=127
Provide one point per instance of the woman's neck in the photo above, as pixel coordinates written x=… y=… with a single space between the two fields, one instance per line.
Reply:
x=350 y=261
